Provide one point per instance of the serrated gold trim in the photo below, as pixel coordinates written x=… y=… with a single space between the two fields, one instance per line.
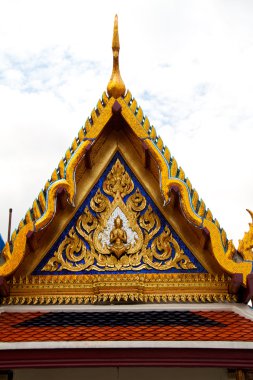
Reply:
x=119 y=287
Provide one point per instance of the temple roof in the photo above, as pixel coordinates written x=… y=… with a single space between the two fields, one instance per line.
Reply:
x=204 y=326
x=117 y=119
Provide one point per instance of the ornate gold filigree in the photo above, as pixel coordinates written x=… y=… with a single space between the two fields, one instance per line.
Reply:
x=118 y=181
x=118 y=235
x=75 y=251
x=161 y=250
x=99 y=202
x=141 y=287
x=245 y=246
x=136 y=202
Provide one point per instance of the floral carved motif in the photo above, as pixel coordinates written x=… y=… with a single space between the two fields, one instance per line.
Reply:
x=122 y=234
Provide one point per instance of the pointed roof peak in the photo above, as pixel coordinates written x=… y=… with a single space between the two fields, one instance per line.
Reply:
x=115 y=37
x=116 y=87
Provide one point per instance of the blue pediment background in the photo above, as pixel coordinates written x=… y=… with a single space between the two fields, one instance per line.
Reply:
x=198 y=267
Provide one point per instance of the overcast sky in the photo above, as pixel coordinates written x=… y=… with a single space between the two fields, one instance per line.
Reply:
x=188 y=63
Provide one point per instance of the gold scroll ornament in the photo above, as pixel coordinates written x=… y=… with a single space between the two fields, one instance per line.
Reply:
x=118 y=235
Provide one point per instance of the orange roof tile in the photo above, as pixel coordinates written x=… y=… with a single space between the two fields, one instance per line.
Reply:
x=125 y=326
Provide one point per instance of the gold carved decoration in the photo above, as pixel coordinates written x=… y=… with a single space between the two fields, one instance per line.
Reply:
x=245 y=246
x=123 y=287
x=116 y=87
x=118 y=181
x=119 y=234
x=118 y=238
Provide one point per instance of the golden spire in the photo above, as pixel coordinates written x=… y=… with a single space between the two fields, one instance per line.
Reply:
x=116 y=87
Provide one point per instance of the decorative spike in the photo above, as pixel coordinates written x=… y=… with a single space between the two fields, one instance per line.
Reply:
x=133 y=106
x=118 y=297
x=47 y=301
x=202 y=208
x=139 y=115
x=68 y=155
x=116 y=86
x=195 y=198
x=87 y=125
x=128 y=97
x=251 y=214
x=81 y=134
x=209 y=215
x=105 y=98
x=173 y=169
x=100 y=106
x=146 y=124
x=61 y=168
x=188 y=183
x=47 y=185
x=28 y=217
x=42 y=200
x=159 y=143
x=94 y=115
x=16 y=300
x=36 y=210
x=217 y=223
x=181 y=174
x=74 y=145
x=54 y=176
x=223 y=237
x=167 y=154
x=153 y=133
x=21 y=224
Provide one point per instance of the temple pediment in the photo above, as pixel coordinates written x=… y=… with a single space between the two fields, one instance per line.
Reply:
x=119 y=220
x=118 y=229
x=123 y=237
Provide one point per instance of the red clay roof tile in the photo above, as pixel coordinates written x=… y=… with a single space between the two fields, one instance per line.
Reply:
x=191 y=326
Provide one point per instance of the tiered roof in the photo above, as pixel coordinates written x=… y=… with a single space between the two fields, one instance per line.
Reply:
x=156 y=197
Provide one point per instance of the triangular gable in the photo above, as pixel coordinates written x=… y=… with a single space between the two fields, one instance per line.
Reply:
x=115 y=122
x=171 y=177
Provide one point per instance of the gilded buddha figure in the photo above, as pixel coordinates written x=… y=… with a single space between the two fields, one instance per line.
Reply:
x=118 y=238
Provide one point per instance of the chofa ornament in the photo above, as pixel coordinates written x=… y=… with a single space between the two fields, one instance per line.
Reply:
x=245 y=247
x=119 y=230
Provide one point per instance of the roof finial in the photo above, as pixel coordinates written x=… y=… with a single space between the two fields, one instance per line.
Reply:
x=116 y=86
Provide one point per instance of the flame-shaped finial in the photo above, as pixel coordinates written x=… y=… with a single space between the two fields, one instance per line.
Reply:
x=251 y=214
x=116 y=87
